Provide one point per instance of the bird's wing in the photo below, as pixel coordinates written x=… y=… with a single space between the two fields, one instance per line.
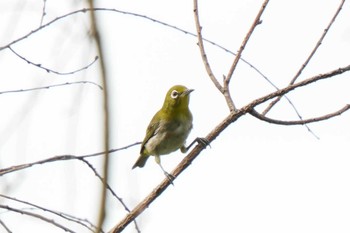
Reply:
x=152 y=130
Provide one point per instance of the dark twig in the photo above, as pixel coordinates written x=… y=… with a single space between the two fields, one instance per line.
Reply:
x=5 y=227
x=50 y=86
x=48 y=70
x=43 y=13
x=5 y=171
x=318 y=44
x=38 y=216
x=300 y=122
x=62 y=215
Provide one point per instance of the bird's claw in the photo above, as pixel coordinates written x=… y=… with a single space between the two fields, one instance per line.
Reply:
x=205 y=142
x=170 y=177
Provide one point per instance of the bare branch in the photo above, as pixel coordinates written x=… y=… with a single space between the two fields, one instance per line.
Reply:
x=202 y=50
x=50 y=86
x=318 y=44
x=5 y=171
x=60 y=214
x=5 y=227
x=256 y=22
x=99 y=45
x=38 y=216
x=43 y=13
x=300 y=122
x=48 y=70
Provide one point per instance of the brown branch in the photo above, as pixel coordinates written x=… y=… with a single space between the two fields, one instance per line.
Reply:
x=256 y=22
x=106 y=124
x=318 y=44
x=48 y=70
x=202 y=50
x=232 y=117
x=300 y=122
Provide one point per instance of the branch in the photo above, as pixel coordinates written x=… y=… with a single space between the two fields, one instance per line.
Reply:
x=318 y=44
x=5 y=227
x=256 y=22
x=50 y=86
x=62 y=215
x=23 y=212
x=300 y=122
x=106 y=123
x=202 y=50
x=232 y=117
x=48 y=70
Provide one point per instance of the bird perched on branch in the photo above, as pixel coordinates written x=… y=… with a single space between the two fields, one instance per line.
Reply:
x=169 y=128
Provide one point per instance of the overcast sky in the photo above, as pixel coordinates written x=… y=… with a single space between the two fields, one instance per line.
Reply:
x=256 y=177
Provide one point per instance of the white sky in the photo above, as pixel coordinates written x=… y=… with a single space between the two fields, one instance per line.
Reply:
x=256 y=177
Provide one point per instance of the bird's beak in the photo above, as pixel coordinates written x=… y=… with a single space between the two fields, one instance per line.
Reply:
x=187 y=92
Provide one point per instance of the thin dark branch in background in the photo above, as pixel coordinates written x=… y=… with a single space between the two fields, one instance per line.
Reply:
x=301 y=122
x=256 y=22
x=38 y=216
x=43 y=14
x=202 y=50
x=50 y=86
x=318 y=44
x=48 y=70
x=60 y=214
x=5 y=227
x=7 y=170
x=111 y=190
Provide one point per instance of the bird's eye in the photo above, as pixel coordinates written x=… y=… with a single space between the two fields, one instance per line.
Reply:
x=174 y=94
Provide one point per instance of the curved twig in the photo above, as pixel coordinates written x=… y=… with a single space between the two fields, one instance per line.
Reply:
x=318 y=44
x=300 y=122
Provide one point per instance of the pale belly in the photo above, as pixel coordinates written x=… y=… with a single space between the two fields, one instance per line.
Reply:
x=166 y=142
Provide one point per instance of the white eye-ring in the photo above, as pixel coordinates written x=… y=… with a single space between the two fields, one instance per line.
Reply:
x=174 y=94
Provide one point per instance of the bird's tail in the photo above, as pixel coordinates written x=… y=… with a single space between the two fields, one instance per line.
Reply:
x=141 y=161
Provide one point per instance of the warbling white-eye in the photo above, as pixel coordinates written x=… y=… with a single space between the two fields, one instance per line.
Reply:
x=169 y=128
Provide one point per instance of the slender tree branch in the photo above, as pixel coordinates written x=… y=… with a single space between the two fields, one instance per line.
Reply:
x=50 y=86
x=38 y=216
x=256 y=22
x=96 y=35
x=232 y=117
x=318 y=44
x=5 y=227
x=300 y=122
x=7 y=170
x=62 y=215
x=202 y=50
x=48 y=70
x=43 y=14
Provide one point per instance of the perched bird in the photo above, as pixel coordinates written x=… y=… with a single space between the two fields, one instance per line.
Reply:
x=169 y=128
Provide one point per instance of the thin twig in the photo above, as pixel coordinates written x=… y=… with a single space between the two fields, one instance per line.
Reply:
x=202 y=50
x=43 y=13
x=62 y=215
x=48 y=70
x=15 y=168
x=38 y=216
x=5 y=227
x=50 y=86
x=232 y=117
x=318 y=44
x=256 y=22
x=300 y=122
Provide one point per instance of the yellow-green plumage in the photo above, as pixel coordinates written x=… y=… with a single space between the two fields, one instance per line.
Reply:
x=169 y=127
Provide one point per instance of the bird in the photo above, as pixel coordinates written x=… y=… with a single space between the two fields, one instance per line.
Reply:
x=169 y=128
